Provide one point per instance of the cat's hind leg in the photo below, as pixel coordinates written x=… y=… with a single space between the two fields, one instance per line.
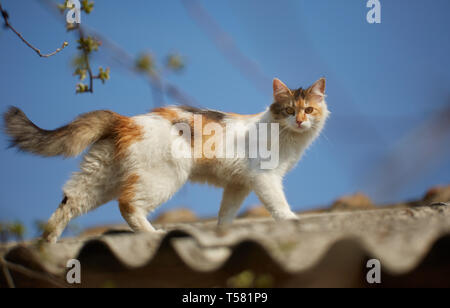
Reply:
x=142 y=192
x=59 y=220
x=96 y=184
x=132 y=204
x=72 y=206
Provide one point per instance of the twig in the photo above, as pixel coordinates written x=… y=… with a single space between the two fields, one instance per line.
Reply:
x=159 y=87
x=91 y=76
x=8 y=25
x=7 y=274
x=87 y=62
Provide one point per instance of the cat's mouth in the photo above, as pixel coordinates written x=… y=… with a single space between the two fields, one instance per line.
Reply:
x=298 y=128
x=295 y=126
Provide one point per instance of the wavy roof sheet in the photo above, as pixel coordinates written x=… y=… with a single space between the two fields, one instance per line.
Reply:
x=325 y=249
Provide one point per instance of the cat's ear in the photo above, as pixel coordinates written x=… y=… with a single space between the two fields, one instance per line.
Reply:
x=280 y=90
x=317 y=91
x=318 y=88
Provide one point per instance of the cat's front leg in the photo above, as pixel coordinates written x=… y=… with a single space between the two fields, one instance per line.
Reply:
x=269 y=189
x=233 y=196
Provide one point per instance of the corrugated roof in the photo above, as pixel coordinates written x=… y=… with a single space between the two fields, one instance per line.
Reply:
x=324 y=249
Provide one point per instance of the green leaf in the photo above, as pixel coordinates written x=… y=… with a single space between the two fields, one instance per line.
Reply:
x=63 y=7
x=82 y=88
x=103 y=75
x=79 y=61
x=175 y=62
x=87 y=6
x=145 y=63
x=81 y=73
x=88 y=44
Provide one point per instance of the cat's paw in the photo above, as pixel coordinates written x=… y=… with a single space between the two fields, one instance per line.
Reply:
x=49 y=237
x=159 y=232
x=289 y=216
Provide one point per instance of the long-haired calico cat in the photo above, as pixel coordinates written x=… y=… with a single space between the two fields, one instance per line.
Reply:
x=131 y=158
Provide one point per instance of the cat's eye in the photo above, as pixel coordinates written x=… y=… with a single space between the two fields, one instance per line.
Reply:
x=309 y=110
x=290 y=110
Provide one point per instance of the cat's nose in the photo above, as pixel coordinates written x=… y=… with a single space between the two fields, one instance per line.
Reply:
x=299 y=123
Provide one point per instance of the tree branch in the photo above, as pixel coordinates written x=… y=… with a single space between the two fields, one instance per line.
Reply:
x=159 y=86
x=87 y=62
x=5 y=17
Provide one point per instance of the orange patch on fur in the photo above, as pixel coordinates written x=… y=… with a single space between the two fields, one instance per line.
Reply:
x=317 y=109
x=204 y=138
x=301 y=116
x=126 y=132
x=167 y=113
x=232 y=114
x=301 y=105
x=127 y=194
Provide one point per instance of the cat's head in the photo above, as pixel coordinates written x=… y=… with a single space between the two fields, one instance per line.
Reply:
x=300 y=110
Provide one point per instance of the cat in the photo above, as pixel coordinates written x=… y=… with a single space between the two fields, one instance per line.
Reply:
x=131 y=159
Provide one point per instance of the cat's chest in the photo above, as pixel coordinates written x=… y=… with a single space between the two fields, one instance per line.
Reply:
x=291 y=151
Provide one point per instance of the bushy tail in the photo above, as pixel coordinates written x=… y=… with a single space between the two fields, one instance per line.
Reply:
x=69 y=140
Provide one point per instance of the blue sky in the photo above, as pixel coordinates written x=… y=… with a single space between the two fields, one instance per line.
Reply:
x=383 y=81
